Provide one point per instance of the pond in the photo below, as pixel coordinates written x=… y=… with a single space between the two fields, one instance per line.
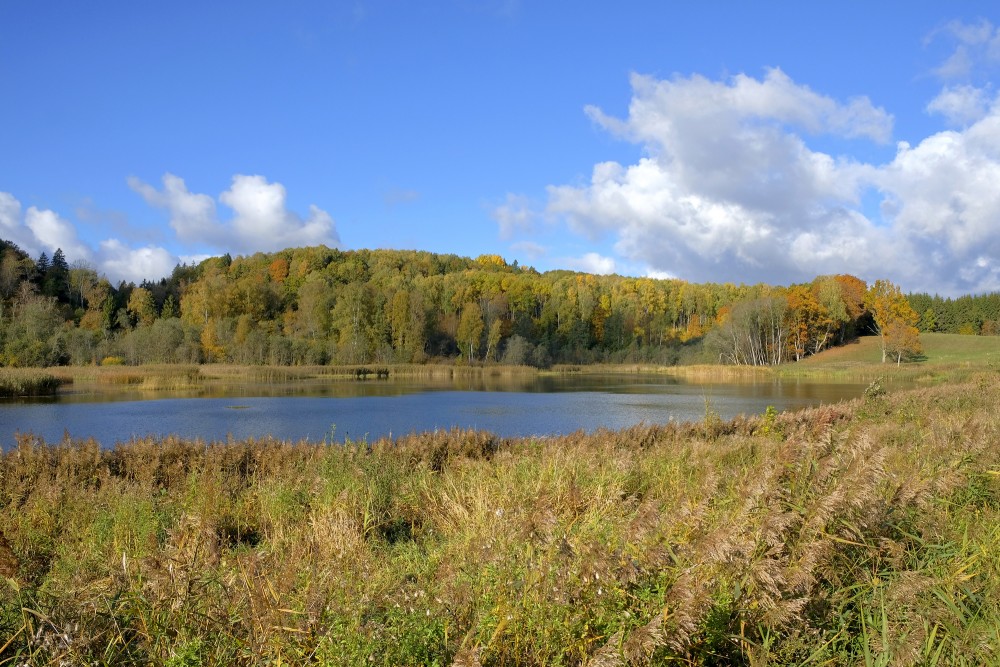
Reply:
x=368 y=410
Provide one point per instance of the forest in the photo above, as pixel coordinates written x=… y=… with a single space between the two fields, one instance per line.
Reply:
x=319 y=305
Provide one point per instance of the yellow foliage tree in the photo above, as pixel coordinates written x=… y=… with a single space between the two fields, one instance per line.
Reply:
x=895 y=320
x=141 y=306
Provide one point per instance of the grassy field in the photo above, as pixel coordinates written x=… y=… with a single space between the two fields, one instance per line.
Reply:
x=937 y=349
x=858 y=533
x=944 y=357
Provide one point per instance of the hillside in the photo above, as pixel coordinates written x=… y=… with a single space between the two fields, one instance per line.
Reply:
x=321 y=306
x=943 y=355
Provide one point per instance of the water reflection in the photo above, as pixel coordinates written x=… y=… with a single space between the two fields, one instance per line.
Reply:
x=320 y=410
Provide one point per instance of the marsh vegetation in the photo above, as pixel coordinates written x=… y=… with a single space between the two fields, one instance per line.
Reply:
x=857 y=533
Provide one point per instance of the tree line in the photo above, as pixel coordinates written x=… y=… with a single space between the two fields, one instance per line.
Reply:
x=969 y=315
x=319 y=305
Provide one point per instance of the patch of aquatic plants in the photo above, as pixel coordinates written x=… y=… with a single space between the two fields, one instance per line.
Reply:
x=862 y=533
x=16 y=382
x=151 y=377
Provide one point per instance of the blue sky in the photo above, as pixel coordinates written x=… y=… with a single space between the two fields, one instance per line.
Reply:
x=709 y=141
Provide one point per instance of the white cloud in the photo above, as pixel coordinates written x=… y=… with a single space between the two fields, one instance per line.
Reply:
x=942 y=199
x=662 y=109
x=120 y=262
x=10 y=212
x=261 y=220
x=12 y=224
x=730 y=190
x=43 y=230
x=977 y=46
x=263 y=223
x=53 y=232
x=516 y=214
x=591 y=263
x=960 y=105
x=192 y=216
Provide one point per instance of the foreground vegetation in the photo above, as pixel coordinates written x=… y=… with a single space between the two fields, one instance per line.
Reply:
x=860 y=533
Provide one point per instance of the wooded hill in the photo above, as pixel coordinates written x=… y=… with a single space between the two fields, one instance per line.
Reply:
x=320 y=305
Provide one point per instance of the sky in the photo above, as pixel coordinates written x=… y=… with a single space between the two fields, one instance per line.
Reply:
x=707 y=141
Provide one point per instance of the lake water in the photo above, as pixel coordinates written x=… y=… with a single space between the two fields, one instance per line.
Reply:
x=325 y=410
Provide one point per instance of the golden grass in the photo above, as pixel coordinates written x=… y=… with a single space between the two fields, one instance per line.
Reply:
x=852 y=533
x=153 y=377
x=18 y=382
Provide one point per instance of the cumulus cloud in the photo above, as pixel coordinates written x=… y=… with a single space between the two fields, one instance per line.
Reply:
x=261 y=220
x=960 y=105
x=662 y=109
x=120 y=262
x=38 y=230
x=53 y=231
x=192 y=216
x=10 y=211
x=42 y=230
x=941 y=199
x=592 y=262
x=729 y=188
x=11 y=228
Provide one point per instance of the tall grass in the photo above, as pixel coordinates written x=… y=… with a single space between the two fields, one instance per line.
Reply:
x=16 y=382
x=153 y=377
x=860 y=533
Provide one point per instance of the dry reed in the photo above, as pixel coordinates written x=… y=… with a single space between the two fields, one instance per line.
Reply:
x=838 y=535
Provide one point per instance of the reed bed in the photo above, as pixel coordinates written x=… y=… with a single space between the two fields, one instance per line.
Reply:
x=446 y=371
x=152 y=377
x=285 y=374
x=857 y=533
x=261 y=374
x=15 y=382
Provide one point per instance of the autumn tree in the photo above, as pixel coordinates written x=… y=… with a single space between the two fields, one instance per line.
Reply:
x=807 y=321
x=470 y=328
x=829 y=295
x=13 y=270
x=895 y=320
x=141 y=306
x=493 y=340
x=351 y=320
x=754 y=334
